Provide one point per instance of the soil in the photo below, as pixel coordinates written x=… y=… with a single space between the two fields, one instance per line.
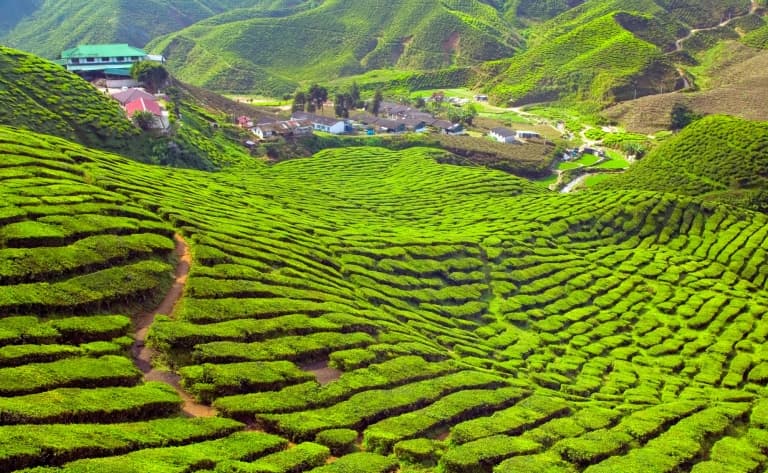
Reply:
x=324 y=373
x=142 y=354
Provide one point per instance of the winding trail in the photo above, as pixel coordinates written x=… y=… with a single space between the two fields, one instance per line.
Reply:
x=142 y=354
x=752 y=10
x=574 y=183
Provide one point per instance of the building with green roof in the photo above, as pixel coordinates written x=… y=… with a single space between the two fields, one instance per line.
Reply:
x=107 y=59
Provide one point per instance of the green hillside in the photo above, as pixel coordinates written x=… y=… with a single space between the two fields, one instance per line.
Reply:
x=48 y=27
x=720 y=157
x=338 y=38
x=604 y=51
x=41 y=96
x=597 y=51
x=470 y=319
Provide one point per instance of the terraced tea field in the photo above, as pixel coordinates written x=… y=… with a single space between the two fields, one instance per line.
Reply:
x=373 y=311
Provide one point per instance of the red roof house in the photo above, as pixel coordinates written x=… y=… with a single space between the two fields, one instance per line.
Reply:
x=143 y=105
x=130 y=95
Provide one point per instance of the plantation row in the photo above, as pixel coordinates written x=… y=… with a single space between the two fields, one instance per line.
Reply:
x=378 y=310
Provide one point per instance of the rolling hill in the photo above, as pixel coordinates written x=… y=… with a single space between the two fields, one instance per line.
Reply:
x=605 y=51
x=439 y=318
x=729 y=81
x=48 y=27
x=597 y=51
x=719 y=157
x=375 y=311
x=594 y=51
x=41 y=96
x=337 y=38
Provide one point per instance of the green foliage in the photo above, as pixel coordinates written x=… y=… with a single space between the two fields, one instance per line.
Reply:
x=722 y=157
x=152 y=74
x=73 y=405
x=24 y=446
x=339 y=38
x=362 y=462
x=482 y=323
x=240 y=446
x=340 y=441
x=682 y=116
x=41 y=96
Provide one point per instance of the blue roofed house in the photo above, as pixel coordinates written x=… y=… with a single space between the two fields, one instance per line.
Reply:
x=106 y=59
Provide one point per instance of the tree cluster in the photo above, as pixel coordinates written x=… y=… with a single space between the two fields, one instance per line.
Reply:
x=347 y=101
x=311 y=100
x=152 y=74
x=682 y=116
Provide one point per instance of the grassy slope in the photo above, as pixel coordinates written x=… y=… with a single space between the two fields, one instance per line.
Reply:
x=614 y=329
x=722 y=157
x=604 y=50
x=48 y=27
x=587 y=63
x=729 y=79
x=41 y=96
x=340 y=37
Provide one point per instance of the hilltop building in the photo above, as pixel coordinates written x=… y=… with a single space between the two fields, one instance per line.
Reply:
x=108 y=60
x=503 y=135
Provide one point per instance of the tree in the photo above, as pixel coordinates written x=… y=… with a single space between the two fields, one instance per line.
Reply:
x=465 y=114
x=317 y=96
x=343 y=104
x=354 y=95
x=378 y=97
x=682 y=116
x=299 y=102
x=152 y=74
x=143 y=120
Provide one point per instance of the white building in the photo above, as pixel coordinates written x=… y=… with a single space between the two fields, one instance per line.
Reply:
x=503 y=135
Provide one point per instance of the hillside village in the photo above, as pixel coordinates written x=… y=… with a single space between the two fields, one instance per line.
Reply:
x=109 y=68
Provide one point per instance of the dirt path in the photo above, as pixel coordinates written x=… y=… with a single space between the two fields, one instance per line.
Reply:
x=752 y=10
x=142 y=355
x=575 y=183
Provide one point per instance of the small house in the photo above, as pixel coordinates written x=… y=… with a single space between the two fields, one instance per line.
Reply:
x=244 y=122
x=390 y=126
x=414 y=124
x=151 y=106
x=335 y=126
x=526 y=135
x=503 y=135
x=131 y=95
x=285 y=129
x=455 y=129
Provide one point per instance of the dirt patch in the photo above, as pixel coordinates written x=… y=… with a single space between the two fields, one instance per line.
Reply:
x=451 y=44
x=735 y=86
x=142 y=354
x=323 y=373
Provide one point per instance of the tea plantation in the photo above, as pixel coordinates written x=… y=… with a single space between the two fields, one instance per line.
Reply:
x=366 y=310
x=720 y=157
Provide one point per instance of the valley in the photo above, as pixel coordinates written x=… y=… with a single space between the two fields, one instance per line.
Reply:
x=336 y=236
